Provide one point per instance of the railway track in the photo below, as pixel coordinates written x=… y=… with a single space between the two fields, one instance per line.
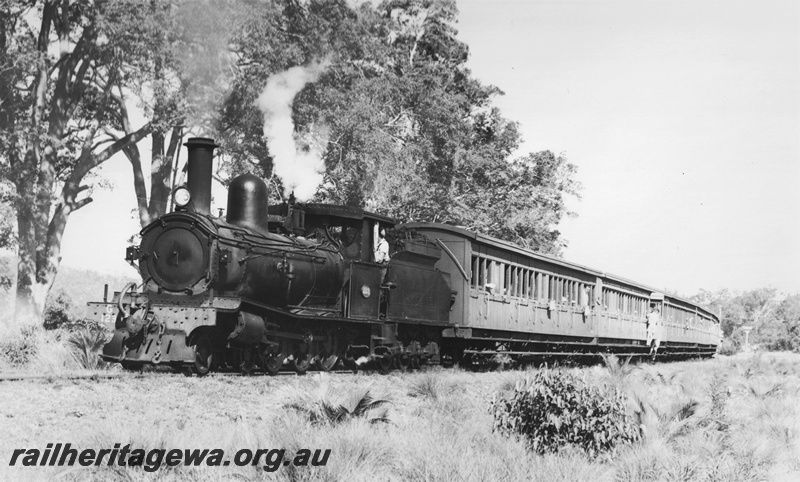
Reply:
x=119 y=375
x=479 y=360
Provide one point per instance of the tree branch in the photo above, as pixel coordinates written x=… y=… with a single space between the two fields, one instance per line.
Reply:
x=90 y=162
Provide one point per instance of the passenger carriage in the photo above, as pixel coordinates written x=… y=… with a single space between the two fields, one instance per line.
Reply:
x=514 y=301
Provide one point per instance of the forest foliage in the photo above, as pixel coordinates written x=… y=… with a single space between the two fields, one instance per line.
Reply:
x=402 y=126
x=774 y=319
x=408 y=130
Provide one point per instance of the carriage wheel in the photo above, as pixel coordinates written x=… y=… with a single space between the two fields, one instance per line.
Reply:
x=203 y=356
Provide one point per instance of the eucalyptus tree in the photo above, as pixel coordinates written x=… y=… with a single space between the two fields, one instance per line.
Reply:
x=178 y=84
x=409 y=131
x=63 y=66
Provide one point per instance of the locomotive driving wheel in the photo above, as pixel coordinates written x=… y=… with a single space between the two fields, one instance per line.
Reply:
x=301 y=362
x=326 y=361
x=301 y=358
x=248 y=362
x=328 y=357
x=384 y=359
x=203 y=356
x=271 y=360
x=402 y=361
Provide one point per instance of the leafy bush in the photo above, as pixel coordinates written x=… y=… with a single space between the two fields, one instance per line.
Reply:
x=20 y=348
x=728 y=347
x=556 y=410
x=57 y=311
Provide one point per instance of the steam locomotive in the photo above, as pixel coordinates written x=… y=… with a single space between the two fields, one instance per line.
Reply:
x=298 y=285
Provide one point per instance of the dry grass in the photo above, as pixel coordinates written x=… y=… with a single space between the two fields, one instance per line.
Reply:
x=727 y=419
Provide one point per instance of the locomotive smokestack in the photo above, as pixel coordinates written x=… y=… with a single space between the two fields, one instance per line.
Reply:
x=201 y=155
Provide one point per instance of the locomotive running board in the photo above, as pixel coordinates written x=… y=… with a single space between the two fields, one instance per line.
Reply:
x=284 y=312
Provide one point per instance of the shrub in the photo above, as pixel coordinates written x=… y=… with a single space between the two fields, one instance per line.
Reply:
x=556 y=410
x=728 y=347
x=20 y=348
x=57 y=310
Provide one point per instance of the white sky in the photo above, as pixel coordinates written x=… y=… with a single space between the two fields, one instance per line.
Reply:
x=682 y=117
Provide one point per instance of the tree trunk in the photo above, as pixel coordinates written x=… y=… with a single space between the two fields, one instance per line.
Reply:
x=27 y=311
x=40 y=235
x=161 y=171
x=34 y=274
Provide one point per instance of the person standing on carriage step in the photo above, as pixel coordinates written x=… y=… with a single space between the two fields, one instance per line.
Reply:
x=654 y=329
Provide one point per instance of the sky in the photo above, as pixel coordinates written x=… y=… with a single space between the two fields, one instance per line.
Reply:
x=683 y=119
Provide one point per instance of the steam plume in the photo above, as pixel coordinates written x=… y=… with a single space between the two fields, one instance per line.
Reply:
x=301 y=169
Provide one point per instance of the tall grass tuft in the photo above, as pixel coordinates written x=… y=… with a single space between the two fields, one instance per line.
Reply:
x=320 y=406
x=86 y=343
x=431 y=387
x=619 y=370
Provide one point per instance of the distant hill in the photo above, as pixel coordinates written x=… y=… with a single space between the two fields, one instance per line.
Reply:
x=79 y=285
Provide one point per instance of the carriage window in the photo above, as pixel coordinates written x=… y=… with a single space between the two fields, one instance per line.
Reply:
x=475 y=281
x=531 y=284
x=515 y=273
x=526 y=284
x=523 y=285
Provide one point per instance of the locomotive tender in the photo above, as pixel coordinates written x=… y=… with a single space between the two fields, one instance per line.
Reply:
x=297 y=284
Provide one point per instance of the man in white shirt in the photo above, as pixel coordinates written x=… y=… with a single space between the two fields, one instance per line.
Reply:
x=381 y=246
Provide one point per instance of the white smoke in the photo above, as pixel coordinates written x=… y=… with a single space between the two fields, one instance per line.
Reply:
x=300 y=168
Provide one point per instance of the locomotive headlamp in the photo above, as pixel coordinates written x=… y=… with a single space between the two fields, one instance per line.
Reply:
x=182 y=196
